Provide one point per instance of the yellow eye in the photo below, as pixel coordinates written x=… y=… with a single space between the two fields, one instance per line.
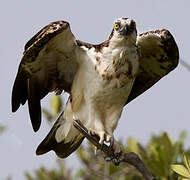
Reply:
x=116 y=26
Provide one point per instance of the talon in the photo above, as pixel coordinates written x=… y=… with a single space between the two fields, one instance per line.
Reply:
x=91 y=131
x=117 y=148
x=103 y=137
x=111 y=142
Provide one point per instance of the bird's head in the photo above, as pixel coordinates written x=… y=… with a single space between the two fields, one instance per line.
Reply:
x=124 y=28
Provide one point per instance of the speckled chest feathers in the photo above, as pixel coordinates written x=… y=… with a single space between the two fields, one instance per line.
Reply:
x=117 y=63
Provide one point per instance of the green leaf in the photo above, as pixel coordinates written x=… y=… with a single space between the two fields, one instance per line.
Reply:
x=181 y=170
x=186 y=161
x=47 y=115
x=133 y=145
x=56 y=104
x=182 y=136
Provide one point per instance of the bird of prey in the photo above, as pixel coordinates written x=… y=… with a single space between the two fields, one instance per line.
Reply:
x=100 y=79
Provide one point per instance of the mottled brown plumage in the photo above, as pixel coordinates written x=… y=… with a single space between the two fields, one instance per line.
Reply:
x=33 y=81
x=100 y=79
x=164 y=62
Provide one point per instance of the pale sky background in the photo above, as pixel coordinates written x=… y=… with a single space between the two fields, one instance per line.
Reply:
x=164 y=107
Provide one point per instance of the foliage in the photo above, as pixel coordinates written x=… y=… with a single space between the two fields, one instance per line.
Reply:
x=159 y=154
x=183 y=169
x=60 y=173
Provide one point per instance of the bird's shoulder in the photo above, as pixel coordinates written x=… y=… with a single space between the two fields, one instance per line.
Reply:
x=46 y=33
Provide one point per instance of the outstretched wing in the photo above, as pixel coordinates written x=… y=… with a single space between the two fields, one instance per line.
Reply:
x=159 y=56
x=48 y=64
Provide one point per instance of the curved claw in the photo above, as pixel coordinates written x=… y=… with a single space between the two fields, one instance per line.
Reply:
x=103 y=137
x=111 y=142
x=117 y=148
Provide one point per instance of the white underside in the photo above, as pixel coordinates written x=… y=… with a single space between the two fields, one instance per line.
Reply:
x=98 y=102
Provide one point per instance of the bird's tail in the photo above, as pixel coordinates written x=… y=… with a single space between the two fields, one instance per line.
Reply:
x=64 y=148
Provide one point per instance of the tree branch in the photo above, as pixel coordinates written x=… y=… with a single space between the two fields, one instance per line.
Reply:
x=130 y=158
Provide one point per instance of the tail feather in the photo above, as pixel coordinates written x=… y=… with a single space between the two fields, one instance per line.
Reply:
x=62 y=149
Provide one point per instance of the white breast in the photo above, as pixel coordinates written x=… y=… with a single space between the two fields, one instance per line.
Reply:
x=109 y=75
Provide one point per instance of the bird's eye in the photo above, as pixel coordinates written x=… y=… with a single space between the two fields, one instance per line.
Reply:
x=116 y=26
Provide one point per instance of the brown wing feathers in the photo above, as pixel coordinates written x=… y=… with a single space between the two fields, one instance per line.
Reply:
x=36 y=77
x=46 y=34
x=159 y=56
x=34 y=80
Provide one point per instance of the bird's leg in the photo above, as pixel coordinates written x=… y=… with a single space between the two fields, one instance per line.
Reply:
x=96 y=128
x=102 y=135
x=114 y=146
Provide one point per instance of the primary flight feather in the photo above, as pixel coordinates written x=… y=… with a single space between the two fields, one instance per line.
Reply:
x=100 y=79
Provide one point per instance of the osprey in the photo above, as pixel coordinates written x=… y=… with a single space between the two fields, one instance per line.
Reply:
x=100 y=79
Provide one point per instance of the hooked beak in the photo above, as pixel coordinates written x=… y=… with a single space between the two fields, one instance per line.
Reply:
x=127 y=29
